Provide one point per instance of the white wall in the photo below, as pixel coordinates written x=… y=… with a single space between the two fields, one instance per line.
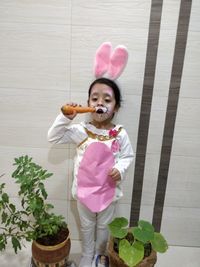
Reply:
x=46 y=58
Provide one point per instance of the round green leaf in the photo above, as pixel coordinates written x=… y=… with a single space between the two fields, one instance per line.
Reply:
x=144 y=232
x=146 y=226
x=159 y=244
x=142 y=235
x=131 y=254
x=118 y=227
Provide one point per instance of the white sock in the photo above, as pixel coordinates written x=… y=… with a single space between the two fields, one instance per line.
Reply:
x=86 y=261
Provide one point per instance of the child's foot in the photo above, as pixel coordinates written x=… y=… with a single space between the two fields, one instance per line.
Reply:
x=85 y=261
x=101 y=261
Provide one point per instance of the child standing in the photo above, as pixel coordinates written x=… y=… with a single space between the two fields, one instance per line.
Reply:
x=104 y=154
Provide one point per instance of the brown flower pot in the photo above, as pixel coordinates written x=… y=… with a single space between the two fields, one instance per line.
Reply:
x=115 y=261
x=46 y=256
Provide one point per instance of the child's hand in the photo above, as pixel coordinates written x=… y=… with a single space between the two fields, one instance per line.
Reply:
x=73 y=115
x=115 y=174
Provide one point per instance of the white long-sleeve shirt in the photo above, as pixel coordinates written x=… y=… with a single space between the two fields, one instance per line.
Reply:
x=82 y=134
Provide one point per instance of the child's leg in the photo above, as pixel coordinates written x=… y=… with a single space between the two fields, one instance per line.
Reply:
x=88 y=223
x=103 y=219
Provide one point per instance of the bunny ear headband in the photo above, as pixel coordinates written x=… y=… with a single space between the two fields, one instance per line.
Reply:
x=110 y=63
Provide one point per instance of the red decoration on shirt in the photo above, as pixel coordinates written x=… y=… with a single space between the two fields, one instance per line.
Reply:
x=113 y=133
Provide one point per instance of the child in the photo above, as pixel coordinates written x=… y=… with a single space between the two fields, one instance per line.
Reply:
x=103 y=156
x=96 y=184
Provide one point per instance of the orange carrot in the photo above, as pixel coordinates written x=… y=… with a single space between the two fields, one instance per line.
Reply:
x=68 y=110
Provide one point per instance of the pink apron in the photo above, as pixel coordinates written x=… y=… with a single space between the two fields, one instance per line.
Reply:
x=95 y=188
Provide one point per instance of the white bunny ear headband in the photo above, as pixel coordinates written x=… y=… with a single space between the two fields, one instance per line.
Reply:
x=110 y=63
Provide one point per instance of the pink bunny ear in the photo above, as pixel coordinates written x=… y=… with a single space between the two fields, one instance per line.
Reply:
x=102 y=59
x=118 y=62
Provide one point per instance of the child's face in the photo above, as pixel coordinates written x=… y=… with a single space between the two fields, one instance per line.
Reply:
x=102 y=96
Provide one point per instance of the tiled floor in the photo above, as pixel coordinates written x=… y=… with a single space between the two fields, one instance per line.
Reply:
x=175 y=257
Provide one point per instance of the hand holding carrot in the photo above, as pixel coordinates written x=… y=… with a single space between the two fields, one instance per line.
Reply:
x=69 y=110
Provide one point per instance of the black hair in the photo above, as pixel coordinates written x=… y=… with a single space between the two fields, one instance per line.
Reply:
x=112 y=85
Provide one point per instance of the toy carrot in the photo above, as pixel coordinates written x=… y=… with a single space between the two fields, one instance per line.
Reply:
x=68 y=110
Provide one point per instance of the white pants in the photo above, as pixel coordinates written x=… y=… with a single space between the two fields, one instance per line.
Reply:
x=94 y=228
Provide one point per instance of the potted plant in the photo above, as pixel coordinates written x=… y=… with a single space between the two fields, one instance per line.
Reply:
x=134 y=246
x=33 y=221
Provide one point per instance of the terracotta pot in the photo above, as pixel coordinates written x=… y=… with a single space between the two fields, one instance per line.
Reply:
x=50 y=256
x=115 y=261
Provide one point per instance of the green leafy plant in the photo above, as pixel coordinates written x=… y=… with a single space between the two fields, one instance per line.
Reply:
x=131 y=242
x=34 y=219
